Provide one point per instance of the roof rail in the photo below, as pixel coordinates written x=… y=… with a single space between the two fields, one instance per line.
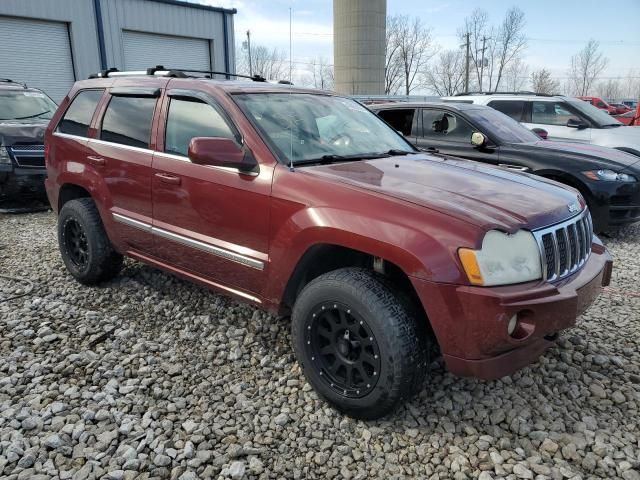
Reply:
x=521 y=92
x=161 y=71
x=8 y=80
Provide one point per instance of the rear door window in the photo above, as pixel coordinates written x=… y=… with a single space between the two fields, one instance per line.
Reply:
x=127 y=121
x=514 y=109
x=550 y=113
x=78 y=116
x=400 y=119
x=192 y=118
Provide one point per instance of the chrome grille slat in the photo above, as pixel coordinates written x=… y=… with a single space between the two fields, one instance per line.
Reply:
x=565 y=247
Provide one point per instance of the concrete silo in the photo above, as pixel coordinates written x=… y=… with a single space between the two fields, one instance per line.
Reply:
x=358 y=46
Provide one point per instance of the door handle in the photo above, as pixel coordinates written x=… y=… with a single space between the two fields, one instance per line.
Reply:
x=518 y=168
x=99 y=161
x=166 y=178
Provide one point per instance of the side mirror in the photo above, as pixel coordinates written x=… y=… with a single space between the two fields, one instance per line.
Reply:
x=576 y=123
x=478 y=139
x=541 y=132
x=221 y=152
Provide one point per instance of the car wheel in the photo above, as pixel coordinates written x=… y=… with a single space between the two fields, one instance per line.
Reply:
x=357 y=343
x=84 y=245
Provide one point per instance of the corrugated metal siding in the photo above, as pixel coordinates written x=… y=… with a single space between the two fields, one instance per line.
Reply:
x=79 y=14
x=166 y=19
x=23 y=41
x=144 y=50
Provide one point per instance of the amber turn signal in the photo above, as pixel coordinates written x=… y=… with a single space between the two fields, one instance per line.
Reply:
x=470 y=265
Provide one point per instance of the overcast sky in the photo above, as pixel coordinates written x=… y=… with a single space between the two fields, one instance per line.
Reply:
x=556 y=28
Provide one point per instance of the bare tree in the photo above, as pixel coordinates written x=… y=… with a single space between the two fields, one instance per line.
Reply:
x=611 y=89
x=446 y=76
x=631 y=85
x=516 y=75
x=269 y=64
x=586 y=67
x=392 y=65
x=494 y=49
x=541 y=82
x=414 y=50
x=321 y=73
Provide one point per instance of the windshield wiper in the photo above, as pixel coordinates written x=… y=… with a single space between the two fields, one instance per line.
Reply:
x=28 y=116
x=612 y=125
x=395 y=152
x=330 y=158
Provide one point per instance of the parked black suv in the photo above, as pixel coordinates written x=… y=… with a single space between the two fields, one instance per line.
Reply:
x=24 y=115
x=608 y=179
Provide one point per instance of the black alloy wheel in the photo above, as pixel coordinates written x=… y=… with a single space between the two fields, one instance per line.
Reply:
x=343 y=349
x=75 y=243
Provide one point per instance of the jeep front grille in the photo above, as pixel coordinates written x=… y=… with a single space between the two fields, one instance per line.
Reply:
x=28 y=156
x=565 y=247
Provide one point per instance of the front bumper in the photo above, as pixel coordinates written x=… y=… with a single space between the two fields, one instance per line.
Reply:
x=614 y=204
x=19 y=182
x=470 y=323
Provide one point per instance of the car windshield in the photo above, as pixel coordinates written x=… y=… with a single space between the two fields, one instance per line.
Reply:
x=24 y=105
x=501 y=126
x=304 y=127
x=597 y=116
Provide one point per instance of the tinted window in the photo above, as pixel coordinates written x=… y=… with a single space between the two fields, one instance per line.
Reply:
x=441 y=125
x=400 y=119
x=514 y=109
x=78 y=117
x=500 y=126
x=550 y=113
x=128 y=121
x=188 y=119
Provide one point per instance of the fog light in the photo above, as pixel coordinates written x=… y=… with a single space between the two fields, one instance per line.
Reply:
x=512 y=324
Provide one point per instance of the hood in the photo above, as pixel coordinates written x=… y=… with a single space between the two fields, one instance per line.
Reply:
x=489 y=197
x=14 y=132
x=609 y=157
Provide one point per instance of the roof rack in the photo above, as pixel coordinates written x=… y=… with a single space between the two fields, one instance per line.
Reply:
x=8 y=80
x=521 y=92
x=161 y=71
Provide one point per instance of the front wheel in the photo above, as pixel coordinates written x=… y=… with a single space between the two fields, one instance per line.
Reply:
x=357 y=343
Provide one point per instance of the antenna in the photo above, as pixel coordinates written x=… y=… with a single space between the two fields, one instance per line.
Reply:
x=291 y=169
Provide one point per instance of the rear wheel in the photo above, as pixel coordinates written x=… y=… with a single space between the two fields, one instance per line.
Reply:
x=357 y=343
x=84 y=245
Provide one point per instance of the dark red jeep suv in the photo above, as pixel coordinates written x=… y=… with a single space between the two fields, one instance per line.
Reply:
x=305 y=203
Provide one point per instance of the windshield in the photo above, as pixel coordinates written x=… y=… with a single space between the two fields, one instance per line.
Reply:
x=599 y=117
x=501 y=126
x=304 y=127
x=23 y=105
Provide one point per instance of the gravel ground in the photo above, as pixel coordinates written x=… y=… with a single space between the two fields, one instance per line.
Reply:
x=152 y=377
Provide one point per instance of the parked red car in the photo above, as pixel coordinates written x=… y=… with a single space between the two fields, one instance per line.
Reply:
x=631 y=118
x=306 y=203
x=599 y=103
x=620 y=108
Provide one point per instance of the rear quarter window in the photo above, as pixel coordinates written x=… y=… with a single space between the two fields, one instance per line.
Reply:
x=77 y=118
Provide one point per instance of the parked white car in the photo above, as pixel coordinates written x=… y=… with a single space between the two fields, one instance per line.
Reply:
x=564 y=118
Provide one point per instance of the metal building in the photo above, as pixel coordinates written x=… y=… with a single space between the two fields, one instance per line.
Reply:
x=359 y=29
x=51 y=43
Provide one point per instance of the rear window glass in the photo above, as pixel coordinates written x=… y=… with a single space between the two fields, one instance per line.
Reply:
x=128 y=121
x=78 y=117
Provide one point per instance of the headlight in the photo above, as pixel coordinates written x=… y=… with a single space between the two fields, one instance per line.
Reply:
x=4 y=156
x=503 y=259
x=609 y=176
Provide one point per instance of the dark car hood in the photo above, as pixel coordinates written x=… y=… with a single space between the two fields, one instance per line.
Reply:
x=13 y=132
x=485 y=196
x=610 y=157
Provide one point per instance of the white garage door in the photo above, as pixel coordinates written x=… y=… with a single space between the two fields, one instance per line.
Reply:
x=38 y=53
x=144 y=50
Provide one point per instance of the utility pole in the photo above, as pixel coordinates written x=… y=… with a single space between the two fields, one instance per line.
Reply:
x=484 y=41
x=249 y=50
x=466 y=58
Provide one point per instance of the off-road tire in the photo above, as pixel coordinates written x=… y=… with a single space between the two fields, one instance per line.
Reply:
x=102 y=261
x=404 y=346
